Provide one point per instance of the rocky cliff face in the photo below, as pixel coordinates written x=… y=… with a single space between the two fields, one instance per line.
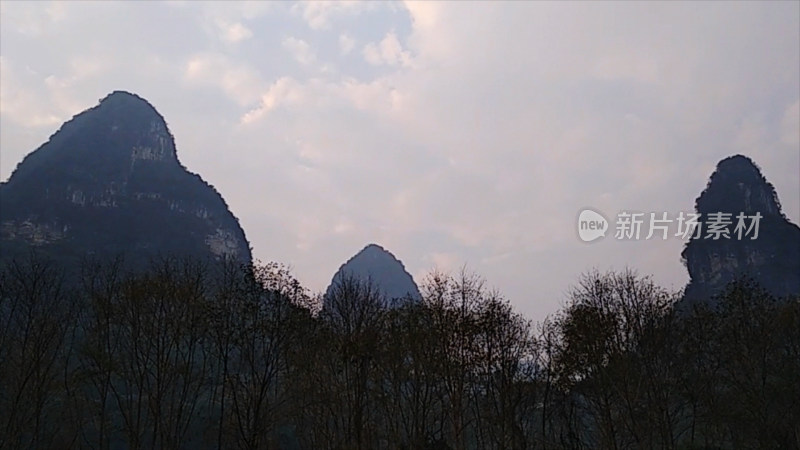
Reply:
x=772 y=258
x=375 y=264
x=109 y=183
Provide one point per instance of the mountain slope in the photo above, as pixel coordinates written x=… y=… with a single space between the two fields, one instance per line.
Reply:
x=772 y=258
x=109 y=183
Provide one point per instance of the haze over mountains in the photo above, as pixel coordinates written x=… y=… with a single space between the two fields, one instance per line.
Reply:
x=109 y=182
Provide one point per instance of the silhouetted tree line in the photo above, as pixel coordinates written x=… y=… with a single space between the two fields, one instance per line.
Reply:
x=192 y=355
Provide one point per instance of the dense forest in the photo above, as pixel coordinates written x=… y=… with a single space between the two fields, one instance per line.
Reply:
x=195 y=355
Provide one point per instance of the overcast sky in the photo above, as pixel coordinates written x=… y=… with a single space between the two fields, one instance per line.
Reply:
x=453 y=133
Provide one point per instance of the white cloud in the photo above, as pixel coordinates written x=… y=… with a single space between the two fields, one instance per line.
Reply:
x=790 y=125
x=228 y=22
x=446 y=262
x=33 y=99
x=388 y=51
x=238 y=81
x=300 y=50
x=283 y=91
x=33 y=20
x=318 y=13
x=346 y=43
x=425 y=15
x=752 y=135
x=234 y=32
x=633 y=67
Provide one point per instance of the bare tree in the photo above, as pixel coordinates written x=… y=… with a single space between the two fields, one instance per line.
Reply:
x=351 y=320
x=504 y=369
x=161 y=365
x=266 y=329
x=98 y=344
x=223 y=315
x=755 y=338
x=407 y=383
x=612 y=332
x=36 y=317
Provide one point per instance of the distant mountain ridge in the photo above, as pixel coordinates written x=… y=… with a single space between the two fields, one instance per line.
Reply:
x=772 y=259
x=109 y=183
x=377 y=265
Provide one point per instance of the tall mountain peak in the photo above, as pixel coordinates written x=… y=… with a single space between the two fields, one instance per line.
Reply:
x=377 y=265
x=109 y=182
x=772 y=258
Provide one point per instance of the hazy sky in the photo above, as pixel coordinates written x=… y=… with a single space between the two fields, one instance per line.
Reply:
x=451 y=134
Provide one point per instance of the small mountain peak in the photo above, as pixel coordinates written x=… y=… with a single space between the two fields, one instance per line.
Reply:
x=374 y=249
x=375 y=252
x=120 y=96
x=376 y=264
